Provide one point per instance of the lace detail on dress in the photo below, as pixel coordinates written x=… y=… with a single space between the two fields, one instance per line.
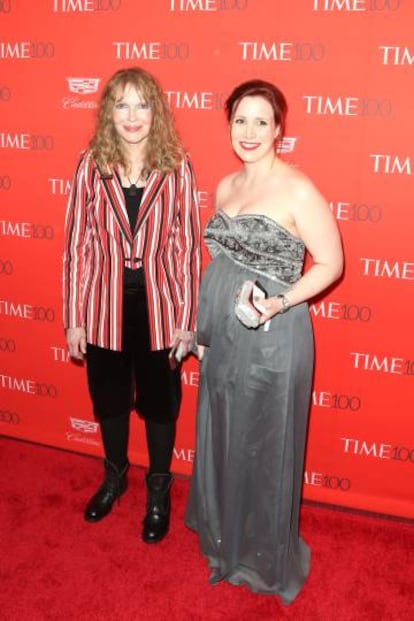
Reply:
x=258 y=243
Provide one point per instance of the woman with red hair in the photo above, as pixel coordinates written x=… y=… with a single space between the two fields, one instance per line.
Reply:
x=256 y=351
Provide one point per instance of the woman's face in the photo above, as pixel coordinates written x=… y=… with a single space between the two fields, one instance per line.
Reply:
x=253 y=129
x=132 y=116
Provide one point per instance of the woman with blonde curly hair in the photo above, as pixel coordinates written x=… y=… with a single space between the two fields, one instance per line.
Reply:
x=130 y=281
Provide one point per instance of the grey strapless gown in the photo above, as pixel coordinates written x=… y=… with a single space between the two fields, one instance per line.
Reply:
x=254 y=395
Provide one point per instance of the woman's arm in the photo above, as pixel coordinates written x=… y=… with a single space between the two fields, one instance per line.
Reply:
x=75 y=256
x=317 y=228
x=188 y=254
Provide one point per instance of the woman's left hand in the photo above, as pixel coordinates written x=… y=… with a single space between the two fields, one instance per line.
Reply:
x=186 y=339
x=270 y=306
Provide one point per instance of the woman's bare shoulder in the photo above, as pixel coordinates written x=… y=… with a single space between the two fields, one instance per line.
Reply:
x=299 y=184
x=224 y=188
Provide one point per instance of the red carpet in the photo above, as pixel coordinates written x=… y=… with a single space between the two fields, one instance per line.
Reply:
x=56 y=566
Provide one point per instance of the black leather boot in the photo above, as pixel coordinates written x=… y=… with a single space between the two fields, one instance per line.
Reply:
x=114 y=485
x=157 y=518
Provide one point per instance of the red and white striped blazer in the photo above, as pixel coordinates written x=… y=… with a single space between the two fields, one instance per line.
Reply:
x=99 y=243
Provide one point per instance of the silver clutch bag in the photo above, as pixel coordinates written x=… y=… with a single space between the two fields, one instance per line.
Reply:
x=247 y=307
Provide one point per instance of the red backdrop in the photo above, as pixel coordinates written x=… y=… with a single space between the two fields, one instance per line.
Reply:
x=346 y=69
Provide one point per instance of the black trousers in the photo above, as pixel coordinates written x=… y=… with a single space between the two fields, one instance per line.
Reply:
x=135 y=378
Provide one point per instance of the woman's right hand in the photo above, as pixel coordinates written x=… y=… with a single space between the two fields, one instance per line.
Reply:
x=76 y=340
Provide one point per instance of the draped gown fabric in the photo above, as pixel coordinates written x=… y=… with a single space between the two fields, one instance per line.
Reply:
x=255 y=387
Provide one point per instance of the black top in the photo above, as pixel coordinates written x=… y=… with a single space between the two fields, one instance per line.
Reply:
x=133 y=279
x=133 y=201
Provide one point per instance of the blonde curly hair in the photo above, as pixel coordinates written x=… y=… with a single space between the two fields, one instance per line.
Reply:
x=164 y=149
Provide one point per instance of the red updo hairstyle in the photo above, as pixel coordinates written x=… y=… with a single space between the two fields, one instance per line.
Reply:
x=260 y=88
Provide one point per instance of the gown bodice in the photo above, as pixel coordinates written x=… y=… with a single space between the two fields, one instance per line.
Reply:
x=257 y=242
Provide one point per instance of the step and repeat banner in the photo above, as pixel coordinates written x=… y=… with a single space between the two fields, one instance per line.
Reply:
x=346 y=68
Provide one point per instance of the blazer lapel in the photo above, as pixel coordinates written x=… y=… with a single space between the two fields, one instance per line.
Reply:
x=152 y=190
x=116 y=199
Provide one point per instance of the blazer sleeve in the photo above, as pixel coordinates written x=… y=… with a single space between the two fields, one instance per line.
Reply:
x=188 y=249
x=77 y=246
